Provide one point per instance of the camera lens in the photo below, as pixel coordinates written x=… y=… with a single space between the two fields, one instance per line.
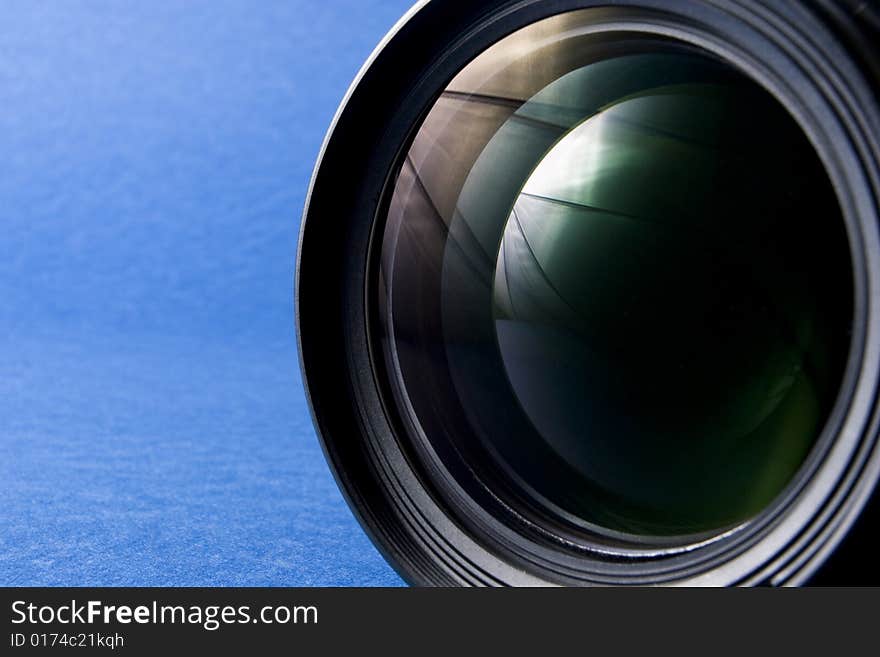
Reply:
x=610 y=269
x=584 y=292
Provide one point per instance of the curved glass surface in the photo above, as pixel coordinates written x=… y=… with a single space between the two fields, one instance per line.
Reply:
x=615 y=283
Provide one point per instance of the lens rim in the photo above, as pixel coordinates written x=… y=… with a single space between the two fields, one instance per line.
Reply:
x=437 y=536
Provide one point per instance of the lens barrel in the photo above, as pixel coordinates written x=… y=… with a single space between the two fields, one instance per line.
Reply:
x=587 y=294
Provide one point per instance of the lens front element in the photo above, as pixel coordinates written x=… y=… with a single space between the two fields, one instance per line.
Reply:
x=615 y=284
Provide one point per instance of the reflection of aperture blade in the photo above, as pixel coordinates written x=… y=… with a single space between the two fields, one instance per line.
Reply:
x=583 y=207
x=529 y=284
x=477 y=261
x=511 y=103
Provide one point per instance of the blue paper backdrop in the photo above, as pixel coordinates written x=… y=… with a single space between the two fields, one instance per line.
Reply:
x=154 y=158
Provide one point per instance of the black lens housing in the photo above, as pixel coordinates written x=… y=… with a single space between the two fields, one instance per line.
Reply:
x=819 y=59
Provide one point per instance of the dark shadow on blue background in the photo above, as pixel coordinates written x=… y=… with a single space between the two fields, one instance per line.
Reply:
x=154 y=159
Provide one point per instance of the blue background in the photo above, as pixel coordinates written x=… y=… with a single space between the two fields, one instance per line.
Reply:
x=154 y=159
